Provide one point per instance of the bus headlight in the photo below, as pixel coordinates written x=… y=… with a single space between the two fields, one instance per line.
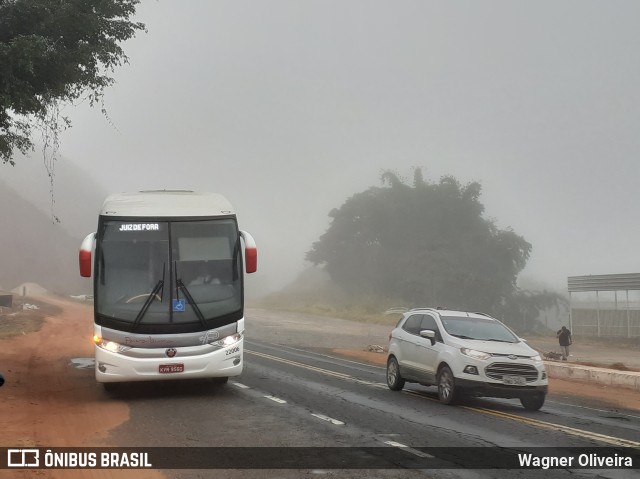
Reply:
x=111 y=346
x=229 y=340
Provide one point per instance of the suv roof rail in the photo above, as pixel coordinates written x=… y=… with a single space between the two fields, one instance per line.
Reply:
x=437 y=309
x=484 y=314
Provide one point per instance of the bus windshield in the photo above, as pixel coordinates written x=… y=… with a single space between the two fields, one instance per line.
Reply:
x=152 y=275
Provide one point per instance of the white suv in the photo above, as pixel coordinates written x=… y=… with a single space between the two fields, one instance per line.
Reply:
x=464 y=354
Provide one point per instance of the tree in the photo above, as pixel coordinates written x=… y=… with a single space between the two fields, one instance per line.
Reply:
x=427 y=244
x=51 y=52
x=524 y=307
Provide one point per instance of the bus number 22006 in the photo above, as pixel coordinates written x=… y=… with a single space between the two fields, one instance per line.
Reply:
x=233 y=350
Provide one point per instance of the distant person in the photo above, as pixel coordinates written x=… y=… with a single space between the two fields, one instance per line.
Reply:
x=564 y=338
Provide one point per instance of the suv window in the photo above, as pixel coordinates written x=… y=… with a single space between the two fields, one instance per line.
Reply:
x=412 y=325
x=429 y=322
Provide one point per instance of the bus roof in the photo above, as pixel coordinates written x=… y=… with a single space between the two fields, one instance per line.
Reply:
x=166 y=203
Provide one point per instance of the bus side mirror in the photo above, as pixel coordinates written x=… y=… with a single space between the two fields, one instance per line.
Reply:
x=85 y=255
x=250 y=252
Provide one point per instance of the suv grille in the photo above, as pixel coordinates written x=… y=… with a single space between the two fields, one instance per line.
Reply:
x=497 y=370
x=497 y=355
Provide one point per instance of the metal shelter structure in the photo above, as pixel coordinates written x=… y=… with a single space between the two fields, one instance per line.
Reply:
x=607 y=319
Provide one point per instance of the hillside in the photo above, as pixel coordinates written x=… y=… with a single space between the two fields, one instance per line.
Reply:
x=34 y=247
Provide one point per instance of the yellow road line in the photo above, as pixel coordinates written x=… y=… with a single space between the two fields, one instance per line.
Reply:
x=525 y=420
x=306 y=366
x=614 y=441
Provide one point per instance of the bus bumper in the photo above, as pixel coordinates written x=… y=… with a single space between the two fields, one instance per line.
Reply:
x=114 y=367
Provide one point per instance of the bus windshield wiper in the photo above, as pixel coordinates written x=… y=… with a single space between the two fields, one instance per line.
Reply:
x=180 y=285
x=159 y=286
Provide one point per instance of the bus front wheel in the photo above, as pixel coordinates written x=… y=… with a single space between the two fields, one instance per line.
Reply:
x=110 y=387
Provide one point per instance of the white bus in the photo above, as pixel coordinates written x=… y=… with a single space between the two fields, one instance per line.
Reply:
x=168 y=287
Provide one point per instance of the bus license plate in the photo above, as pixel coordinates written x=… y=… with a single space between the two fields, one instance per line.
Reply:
x=514 y=380
x=171 y=368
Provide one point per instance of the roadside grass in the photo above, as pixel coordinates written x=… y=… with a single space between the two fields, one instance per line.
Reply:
x=326 y=302
x=25 y=316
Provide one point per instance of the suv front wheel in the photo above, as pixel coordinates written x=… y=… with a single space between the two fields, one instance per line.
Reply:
x=447 y=392
x=533 y=402
x=394 y=380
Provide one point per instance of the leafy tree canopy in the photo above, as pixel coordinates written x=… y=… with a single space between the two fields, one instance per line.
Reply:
x=54 y=51
x=426 y=243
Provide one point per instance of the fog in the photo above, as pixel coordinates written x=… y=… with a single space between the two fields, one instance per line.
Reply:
x=288 y=108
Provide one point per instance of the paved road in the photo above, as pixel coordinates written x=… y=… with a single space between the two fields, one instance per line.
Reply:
x=291 y=396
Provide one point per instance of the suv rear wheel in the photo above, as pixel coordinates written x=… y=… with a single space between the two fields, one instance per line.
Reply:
x=447 y=392
x=394 y=380
x=533 y=402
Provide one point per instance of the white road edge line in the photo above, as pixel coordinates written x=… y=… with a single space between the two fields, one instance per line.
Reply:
x=372 y=366
x=411 y=450
x=328 y=419
x=275 y=399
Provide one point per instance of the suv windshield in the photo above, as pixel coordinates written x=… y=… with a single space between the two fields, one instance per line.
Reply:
x=168 y=273
x=480 y=329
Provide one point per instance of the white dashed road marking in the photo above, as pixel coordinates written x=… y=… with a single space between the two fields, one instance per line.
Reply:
x=240 y=385
x=275 y=399
x=410 y=450
x=328 y=419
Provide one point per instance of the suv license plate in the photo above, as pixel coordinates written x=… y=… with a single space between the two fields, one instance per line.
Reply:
x=171 y=368
x=514 y=380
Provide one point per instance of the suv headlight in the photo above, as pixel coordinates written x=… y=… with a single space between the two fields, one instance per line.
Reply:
x=536 y=358
x=472 y=353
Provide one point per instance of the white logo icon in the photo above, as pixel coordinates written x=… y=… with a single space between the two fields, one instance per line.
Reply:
x=23 y=457
x=209 y=336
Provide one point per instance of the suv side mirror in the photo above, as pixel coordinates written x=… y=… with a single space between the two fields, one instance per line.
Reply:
x=430 y=334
